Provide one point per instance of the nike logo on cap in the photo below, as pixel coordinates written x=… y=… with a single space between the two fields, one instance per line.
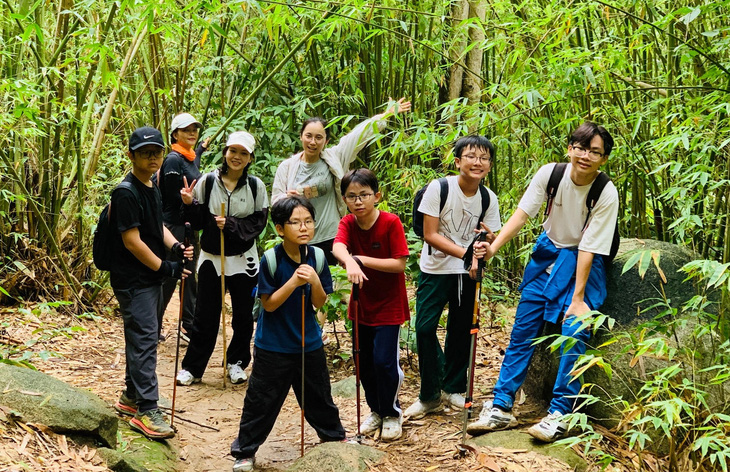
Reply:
x=148 y=137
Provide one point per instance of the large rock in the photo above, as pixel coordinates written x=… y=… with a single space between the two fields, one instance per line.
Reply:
x=337 y=457
x=519 y=440
x=345 y=388
x=40 y=398
x=136 y=453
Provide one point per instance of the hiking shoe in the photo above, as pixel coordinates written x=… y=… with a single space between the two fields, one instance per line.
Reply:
x=243 y=464
x=125 y=405
x=550 y=428
x=491 y=418
x=453 y=400
x=152 y=424
x=236 y=373
x=371 y=424
x=184 y=377
x=421 y=409
x=392 y=428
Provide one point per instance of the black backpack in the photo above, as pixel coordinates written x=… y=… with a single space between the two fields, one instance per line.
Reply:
x=444 y=186
x=105 y=235
x=594 y=193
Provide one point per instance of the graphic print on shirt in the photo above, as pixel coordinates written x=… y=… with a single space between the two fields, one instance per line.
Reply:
x=251 y=266
x=451 y=223
x=320 y=182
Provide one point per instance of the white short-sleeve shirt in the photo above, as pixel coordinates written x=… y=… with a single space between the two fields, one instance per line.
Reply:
x=457 y=223
x=564 y=225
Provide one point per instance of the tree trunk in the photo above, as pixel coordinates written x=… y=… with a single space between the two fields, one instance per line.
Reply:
x=459 y=13
x=472 y=82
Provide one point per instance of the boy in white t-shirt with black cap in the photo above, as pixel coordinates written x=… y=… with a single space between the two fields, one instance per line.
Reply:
x=449 y=226
x=565 y=278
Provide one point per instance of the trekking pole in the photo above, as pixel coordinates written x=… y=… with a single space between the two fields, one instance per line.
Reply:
x=472 y=349
x=188 y=238
x=302 y=260
x=223 y=296
x=356 y=335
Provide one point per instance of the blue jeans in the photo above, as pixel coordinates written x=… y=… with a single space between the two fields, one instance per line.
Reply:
x=528 y=326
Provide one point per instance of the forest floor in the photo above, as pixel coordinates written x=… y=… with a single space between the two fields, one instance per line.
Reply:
x=94 y=359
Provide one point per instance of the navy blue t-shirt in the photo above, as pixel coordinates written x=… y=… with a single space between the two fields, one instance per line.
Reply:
x=281 y=330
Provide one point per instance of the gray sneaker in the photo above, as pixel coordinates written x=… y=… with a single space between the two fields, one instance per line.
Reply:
x=236 y=373
x=453 y=400
x=421 y=409
x=491 y=419
x=243 y=465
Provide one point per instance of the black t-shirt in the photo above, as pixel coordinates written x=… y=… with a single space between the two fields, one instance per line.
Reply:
x=145 y=214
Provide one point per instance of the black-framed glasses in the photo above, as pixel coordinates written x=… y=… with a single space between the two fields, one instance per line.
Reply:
x=474 y=158
x=594 y=155
x=298 y=224
x=149 y=155
x=353 y=198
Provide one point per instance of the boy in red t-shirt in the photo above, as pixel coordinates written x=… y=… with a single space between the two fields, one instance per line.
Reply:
x=372 y=246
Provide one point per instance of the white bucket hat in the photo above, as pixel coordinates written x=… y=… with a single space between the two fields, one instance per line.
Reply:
x=242 y=138
x=183 y=120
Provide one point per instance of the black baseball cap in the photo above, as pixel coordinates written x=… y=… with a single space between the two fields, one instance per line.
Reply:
x=145 y=135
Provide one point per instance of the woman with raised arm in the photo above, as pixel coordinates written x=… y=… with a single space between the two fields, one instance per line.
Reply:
x=315 y=172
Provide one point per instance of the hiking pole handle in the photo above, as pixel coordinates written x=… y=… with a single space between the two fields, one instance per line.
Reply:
x=481 y=237
x=356 y=292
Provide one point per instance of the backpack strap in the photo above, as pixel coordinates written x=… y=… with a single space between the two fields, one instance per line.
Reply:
x=254 y=188
x=553 y=183
x=485 y=203
x=594 y=194
x=209 y=183
x=444 y=186
x=319 y=260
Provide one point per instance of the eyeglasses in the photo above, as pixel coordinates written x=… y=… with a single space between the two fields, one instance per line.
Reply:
x=594 y=155
x=354 y=198
x=474 y=158
x=298 y=224
x=149 y=155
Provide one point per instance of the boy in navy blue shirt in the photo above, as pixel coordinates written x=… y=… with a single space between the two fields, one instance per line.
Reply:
x=277 y=364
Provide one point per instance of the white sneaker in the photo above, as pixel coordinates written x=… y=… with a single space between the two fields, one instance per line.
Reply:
x=186 y=378
x=550 y=428
x=491 y=419
x=453 y=400
x=371 y=424
x=392 y=428
x=236 y=373
x=421 y=409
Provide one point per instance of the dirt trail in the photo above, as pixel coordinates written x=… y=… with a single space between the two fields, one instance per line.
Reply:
x=94 y=359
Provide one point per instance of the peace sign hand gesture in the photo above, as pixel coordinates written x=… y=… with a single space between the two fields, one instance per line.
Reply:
x=186 y=192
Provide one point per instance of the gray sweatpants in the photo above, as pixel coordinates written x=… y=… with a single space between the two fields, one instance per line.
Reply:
x=139 y=308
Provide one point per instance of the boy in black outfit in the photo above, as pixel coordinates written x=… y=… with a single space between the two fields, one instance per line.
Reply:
x=136 y=212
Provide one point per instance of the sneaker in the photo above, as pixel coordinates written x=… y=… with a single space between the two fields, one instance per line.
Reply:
x=184 y=338
x=243 y=464
x=392 y=428
x=550 y=428
x=184 y=377
x=491 y=419
x=453 y=400
x=371 y=424
x=236 y=373
x=125 y=405
x=152 y=424
x=421 y=409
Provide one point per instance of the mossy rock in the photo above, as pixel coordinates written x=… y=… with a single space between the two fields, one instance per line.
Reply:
x=40 y=398
x=337 y=457
x=136 y=453
x=345 y=388
x=519 y=440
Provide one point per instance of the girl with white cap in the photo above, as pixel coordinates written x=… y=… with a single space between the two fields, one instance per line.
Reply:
x=246 y=210
x=182 y=161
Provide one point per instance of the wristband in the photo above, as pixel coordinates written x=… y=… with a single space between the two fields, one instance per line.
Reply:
x=178 y=249
x=359 y=262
